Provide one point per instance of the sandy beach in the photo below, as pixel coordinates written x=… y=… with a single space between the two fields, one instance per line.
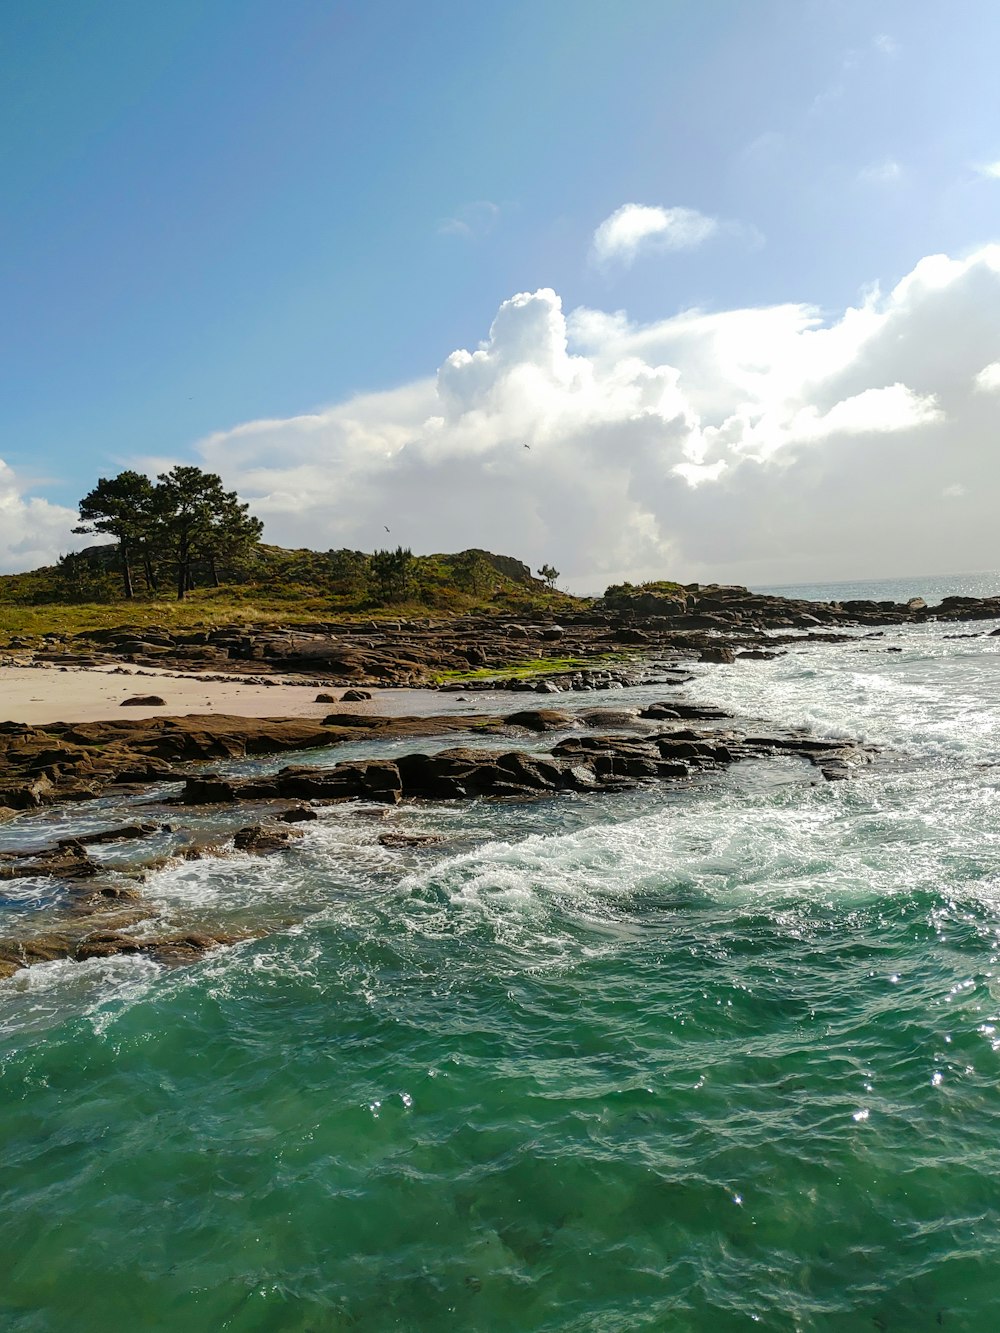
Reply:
x=39 y=695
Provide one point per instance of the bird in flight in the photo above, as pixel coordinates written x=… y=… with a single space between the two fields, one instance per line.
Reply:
x=385 y=528
x=527 y=446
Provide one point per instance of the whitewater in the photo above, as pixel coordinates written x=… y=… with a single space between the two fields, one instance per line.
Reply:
x=710 y=1057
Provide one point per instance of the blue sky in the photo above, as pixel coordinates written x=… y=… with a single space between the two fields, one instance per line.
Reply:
x=218 y=213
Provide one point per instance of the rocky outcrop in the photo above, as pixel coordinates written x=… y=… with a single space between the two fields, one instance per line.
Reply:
x=80 y=945
x=590 y=763
x=64 y=761
x=353 y=653
x=101 y=909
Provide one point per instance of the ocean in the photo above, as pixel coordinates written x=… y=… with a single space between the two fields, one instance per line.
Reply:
x=931 y=587
x=713 y=1058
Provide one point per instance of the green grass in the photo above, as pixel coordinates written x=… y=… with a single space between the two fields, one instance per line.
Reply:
x=620 y=594
x=528 y=668
x=297 y=589
x=201 y=611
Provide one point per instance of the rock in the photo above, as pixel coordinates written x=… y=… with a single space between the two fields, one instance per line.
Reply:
x=375 y=780
x=143 y=701
x=611 y=717
x=395 y=840
x=298 y=814
x=211 y=790
x=362 y=720
x=66 y=863
x=541 y=719
x=355 y=696
x=724 y=655
x=163 y=948
x=27 y=795
x=757 y=655
x=689 y=712
x=259 y=840
x=325 y=699
x=125 y=833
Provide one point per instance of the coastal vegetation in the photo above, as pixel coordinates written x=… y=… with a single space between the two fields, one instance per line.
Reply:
x=184 y=553
x=186 y=525
x=273 y=584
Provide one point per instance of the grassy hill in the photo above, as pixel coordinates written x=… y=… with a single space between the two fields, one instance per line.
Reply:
x=275 y=584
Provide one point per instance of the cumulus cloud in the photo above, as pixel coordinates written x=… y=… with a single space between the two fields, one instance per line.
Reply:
x=33 y=532
x=759 y=445
x=636 y=227
x=988 y=379
x=763 y=445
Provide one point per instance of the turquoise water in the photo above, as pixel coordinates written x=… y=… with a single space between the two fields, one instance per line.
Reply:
x=714 y=1059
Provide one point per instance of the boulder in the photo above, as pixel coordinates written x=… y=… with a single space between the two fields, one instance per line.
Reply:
x=540 y=719
x=211 y=790
x=260 y=841
x=144 y=701
x=724 y=655
x=298 y=814
x=611 y=717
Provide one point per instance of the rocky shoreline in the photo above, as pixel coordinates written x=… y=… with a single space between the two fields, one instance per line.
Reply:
x=101 y=910
x=691 y=619
x=164 y=770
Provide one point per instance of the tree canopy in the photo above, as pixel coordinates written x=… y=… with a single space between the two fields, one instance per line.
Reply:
x=187 y=523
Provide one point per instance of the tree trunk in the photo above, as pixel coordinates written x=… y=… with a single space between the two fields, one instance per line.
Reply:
x=215 y=572
x=126 y=568
x=152 y=583
x=182 y=570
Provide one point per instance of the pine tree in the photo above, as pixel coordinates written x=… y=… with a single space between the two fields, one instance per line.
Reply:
x=392 y=572
x=202 y=522
x=119 y=506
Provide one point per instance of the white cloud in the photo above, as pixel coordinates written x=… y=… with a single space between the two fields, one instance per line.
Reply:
x=635 y=227
x=889 y=172
x=988 y=379
x=475 y=219
x=33 y=532
x=764 y=445
x=759 y=445
x=991 y=170
x=954 y=492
